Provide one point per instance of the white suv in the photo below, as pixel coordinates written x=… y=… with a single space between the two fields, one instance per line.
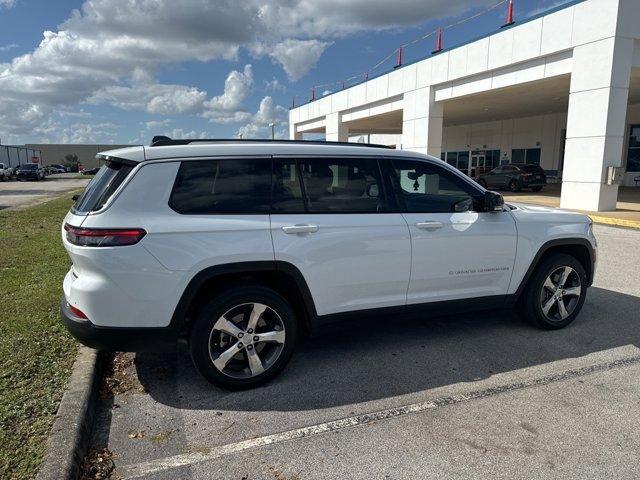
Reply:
x=238 y=246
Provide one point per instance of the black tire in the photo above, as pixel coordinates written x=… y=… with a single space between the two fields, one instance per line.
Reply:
x=536 y=189
x=235 y=297
x=534 y=297
x=514 y=185
x=482 y=182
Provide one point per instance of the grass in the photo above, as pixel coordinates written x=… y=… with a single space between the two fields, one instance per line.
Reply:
x=36 y=353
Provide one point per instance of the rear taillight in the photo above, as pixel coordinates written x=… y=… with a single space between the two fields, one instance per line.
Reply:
x=103 y=237
x=77 y=312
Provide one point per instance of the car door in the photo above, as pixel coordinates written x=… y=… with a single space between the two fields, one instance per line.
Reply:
x=331 y=220
x=493 y=177
x=458 y=250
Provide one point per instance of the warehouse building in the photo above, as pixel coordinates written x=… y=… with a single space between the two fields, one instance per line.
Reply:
x=12 y=155
x=55 y=153
x=561 y=89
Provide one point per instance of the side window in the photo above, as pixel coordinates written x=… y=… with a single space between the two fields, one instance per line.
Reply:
x=342 y=185
x=422 y=187
x=222 y=186
x=287 y=189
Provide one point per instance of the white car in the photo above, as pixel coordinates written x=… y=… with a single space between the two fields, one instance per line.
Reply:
x=238 y=246
x=5 y=172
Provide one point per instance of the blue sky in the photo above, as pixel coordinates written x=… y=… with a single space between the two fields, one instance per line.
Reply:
x=120 y=71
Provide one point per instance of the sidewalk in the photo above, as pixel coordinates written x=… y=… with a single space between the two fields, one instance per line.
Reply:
x=627 y=213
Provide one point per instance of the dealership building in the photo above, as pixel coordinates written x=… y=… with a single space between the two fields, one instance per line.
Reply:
x=561 y=89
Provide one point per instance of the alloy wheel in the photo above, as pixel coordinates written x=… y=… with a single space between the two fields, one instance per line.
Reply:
x=560 y=293
x=246 y=340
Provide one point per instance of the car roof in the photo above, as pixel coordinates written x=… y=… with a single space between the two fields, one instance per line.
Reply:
x=254 y=148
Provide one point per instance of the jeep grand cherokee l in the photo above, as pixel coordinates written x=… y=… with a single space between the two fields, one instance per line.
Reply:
x=238 y=246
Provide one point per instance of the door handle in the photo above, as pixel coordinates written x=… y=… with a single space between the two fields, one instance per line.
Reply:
x=292 y=229
x=429 y=225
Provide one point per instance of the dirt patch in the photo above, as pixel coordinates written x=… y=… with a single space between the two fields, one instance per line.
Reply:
x=120 y=376
x=98 y=465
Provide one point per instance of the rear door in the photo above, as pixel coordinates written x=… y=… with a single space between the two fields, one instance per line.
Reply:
x=331 y=219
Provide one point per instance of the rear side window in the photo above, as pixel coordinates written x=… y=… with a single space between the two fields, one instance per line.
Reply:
x=102 y=187
x=222 y=186
x=532 y=169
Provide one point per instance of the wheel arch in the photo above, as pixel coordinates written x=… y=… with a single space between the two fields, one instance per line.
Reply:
x=580 y=248
x=283 y=277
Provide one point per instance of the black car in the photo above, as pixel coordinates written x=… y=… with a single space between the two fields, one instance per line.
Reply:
x=515 y=177
x=91 y=171
x=30 y=171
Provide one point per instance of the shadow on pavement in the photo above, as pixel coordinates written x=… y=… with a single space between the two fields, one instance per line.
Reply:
x=371 y=360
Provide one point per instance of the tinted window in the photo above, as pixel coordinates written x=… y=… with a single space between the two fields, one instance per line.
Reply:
x=287 y=191
x=424 y=187
x=101 y=187
x=342 y=185
x=532 y=169
x=222 y=186
x=28 y=166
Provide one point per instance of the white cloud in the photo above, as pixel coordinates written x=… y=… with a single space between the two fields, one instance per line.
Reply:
x=109 y=51
x=274 y=85
x=297 y=57
x=268 y=112
x=6 y=48
x=228 y=107
x=156 y=124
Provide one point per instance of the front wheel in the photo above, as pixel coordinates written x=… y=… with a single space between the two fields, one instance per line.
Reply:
x=514 y=186
x=244 y=337
x=556 y=292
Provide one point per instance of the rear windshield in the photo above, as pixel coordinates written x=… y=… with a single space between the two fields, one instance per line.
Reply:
x=101 y=187
x=532 y=169
x=28 y=166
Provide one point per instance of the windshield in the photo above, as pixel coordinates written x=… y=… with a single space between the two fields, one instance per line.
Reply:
x=28 y=166
x=100 y=189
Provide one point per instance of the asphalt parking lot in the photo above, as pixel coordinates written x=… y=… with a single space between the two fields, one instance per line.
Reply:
x=14 y=194
x=471 y=396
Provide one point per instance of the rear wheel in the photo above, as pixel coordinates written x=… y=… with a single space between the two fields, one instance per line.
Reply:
x=514 y=185
x=244 y=337
x=556 y=292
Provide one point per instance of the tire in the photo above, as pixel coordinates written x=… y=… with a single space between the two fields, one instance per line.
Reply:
x=539 y=292
x=514 y=185
x=536 y=189
x=482 y=182
x=208 y=341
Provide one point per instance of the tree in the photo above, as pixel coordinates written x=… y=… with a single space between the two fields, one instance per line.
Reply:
x=71 y=161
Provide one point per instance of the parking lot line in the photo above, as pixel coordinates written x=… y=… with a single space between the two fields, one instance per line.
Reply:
x=158 y=465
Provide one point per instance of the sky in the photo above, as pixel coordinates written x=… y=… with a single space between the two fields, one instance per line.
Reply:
x=122 y=71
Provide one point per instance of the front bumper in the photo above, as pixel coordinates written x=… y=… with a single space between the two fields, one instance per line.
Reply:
x=118 y=339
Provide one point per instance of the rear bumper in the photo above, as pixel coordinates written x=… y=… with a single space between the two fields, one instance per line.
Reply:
x=117 y=338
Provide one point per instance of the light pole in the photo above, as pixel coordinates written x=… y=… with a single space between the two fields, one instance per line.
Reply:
x=273 y=130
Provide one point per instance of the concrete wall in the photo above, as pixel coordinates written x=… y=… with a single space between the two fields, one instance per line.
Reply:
x=544 y=132
x=55 y=153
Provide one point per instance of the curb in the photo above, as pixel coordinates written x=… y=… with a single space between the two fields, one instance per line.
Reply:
x=615 y=222
x=69 y=437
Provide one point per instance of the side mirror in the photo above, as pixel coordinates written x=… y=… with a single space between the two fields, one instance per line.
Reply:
x=493 y=202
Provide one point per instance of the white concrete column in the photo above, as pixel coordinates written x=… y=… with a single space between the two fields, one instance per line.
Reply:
x=336 y=130
x=293 y=134
x=596 y=122
x=422 y=122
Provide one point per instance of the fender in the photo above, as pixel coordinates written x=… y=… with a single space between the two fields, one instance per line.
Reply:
x=198 y=280
x=545 y=248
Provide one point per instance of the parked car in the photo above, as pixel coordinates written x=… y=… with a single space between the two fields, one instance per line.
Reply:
x=5 y=172
x=55 y=168
x=91 y=171
x=515 y=177
x=238 y=246
x=30 y=171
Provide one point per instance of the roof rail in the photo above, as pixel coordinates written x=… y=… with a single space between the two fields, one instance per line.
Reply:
x=162 y=141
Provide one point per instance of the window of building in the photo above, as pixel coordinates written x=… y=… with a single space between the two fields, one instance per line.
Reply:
x=240 y=186
x=526 y=155
x=633 y=152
